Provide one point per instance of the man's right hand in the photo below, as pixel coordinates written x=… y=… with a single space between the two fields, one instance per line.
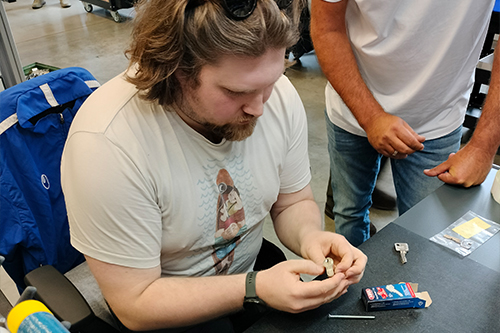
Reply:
x=389 y=134
x=281 y=288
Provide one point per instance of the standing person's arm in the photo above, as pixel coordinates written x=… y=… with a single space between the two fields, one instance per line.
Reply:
x=471 y=164
x=385 y=132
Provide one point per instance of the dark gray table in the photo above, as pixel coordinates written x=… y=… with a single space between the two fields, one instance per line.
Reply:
x=446 y=205
x=465 y=290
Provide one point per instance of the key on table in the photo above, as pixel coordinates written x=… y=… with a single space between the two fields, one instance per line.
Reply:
x=402 y=248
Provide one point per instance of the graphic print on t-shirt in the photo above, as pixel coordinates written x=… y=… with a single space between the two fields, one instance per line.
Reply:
x=230 y=223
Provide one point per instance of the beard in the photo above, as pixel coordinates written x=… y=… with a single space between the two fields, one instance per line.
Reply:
x=238 y=131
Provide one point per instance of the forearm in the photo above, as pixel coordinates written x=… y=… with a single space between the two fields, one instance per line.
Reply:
x=143 y=300
x=487 y=133
x=299 y=228
x=177 y=302
x=471 y=164
x=337 y=60
x=293 y=224
x=297 y=222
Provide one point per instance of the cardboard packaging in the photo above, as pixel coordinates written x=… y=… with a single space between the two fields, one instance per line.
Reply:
x=403 y=295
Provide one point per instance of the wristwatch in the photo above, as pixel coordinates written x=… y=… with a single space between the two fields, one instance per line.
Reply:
x=252 y=302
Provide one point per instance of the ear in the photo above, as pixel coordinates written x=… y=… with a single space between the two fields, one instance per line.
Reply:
x=181 y=76
x=186 y=80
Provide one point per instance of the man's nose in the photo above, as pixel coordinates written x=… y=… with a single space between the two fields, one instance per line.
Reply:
x=255 y=106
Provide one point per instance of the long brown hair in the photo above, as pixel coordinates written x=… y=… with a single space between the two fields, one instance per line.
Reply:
x=169 y=36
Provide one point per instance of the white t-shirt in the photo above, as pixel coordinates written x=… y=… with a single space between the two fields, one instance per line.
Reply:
x=418 y=59
x=144 y=189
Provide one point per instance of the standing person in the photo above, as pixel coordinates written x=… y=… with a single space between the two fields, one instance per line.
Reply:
x=170 y=169
x=400 y=74
x=37 y=4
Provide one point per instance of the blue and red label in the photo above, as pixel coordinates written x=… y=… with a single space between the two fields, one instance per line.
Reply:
x=391 y=296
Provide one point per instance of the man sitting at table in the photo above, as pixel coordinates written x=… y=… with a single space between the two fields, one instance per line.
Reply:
x=170 y=169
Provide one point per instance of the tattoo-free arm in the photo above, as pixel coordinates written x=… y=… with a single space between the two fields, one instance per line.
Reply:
x=385 y=132
x=471 y=164
x=297 y=222
x=143 y=300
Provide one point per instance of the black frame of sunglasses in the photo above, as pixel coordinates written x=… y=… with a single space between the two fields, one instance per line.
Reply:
x=241 y=9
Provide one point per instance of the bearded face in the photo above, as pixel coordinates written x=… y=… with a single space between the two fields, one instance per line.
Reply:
x=227 y=98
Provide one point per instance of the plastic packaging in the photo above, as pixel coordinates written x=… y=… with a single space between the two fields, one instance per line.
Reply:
x=467 y=233
x=33 y=317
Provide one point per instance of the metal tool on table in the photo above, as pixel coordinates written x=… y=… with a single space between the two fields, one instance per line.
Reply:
x=466 y=243
x=332 y=316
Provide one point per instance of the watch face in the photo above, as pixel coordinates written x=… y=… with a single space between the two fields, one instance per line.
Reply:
x=255 y=300
x=254 y=304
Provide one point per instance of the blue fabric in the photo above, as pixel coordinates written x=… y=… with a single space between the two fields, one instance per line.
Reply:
x=354 y=166
x=34 y=229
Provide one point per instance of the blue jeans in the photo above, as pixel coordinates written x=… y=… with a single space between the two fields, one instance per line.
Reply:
x=354 y=166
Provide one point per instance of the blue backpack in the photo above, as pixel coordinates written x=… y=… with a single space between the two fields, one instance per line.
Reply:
x=35 y=117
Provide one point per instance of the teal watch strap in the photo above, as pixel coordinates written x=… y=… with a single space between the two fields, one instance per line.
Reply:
x=250 y=285
x=252 y=302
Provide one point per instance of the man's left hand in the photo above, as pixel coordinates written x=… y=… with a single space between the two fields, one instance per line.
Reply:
x=468 y=167
x=347 y=259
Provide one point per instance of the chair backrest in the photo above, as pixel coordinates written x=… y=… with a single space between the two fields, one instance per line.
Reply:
x=35 y=117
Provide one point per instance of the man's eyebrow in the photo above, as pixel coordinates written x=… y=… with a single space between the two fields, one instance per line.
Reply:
x=249 y=91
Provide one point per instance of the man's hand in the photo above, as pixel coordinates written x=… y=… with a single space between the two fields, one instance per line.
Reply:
x=348 y=260
x=281 y=288
x=471 y=164
x=388 y=134
x=468 y=167
x=391 y=136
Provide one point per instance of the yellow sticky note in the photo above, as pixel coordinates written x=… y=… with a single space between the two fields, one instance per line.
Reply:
x=471 y=228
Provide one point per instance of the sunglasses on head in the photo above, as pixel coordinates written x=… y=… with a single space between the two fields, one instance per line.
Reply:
x=241 y=9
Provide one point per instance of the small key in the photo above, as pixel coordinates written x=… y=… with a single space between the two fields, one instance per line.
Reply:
x=403 y=249
x=466 y=244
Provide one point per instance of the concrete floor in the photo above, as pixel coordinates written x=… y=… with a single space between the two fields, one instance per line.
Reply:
x=72 y=37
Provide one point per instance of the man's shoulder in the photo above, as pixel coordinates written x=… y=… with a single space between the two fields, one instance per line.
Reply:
x=112 y=96
x=99 y=110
